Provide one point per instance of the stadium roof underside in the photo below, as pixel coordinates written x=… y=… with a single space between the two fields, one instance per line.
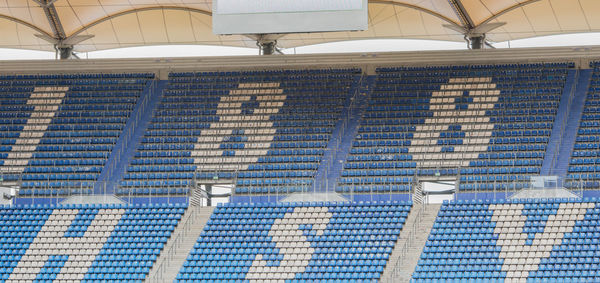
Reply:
x=42 y=24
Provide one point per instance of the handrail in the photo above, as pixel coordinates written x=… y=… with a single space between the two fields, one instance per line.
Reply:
x=344 y=127
x=130 y=130
x=408 y=242
x=566 y=118
x=580 y=183
x=190 y=220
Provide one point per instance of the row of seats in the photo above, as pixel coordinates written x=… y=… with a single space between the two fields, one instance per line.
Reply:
x=108 y=242
x=487 y=120
x=517 y=240
x=67 y=120
x=296 y=241
x=249 y=122
x=586 y=143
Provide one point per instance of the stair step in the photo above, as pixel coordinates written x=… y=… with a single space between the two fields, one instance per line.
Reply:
x=192 y=226
x=402 y=273
x=567 y=138
x=332 y=165
x=114 y=168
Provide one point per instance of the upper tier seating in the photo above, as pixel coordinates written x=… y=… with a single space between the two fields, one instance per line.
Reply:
x=302 y=241
x=83 y=242
x=57 y=131
x=584 y=167
x=533 y=240
x=488 y=124
x=265 y=130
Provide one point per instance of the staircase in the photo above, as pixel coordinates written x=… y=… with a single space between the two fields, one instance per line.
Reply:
x=343 y=134
x=417 y=195
x=196 y=197
x=408 y=248
x=175 y=252
x=561 y=165
x=131 y=136
x=560 y=123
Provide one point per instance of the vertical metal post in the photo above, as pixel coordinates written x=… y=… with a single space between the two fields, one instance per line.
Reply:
x=494 y=191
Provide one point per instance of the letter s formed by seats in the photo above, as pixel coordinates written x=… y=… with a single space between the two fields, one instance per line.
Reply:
x=290 y=240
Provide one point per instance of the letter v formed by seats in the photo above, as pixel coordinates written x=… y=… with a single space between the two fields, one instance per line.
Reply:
x=81 y=251
x=521 y=257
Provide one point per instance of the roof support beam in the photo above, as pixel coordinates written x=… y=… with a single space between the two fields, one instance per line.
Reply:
x=53 y=19
x=62 y=44
x=474 y=34
x=462 y=14
x=475 y=37
x=57 y=28
x=44 y=3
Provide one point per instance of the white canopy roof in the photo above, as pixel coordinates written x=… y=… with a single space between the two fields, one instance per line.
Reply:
x=121 y=23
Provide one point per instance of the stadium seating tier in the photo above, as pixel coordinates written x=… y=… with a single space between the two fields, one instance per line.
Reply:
x=485 y=126
x=296 y=242
x=265 y=131
x=532 y=240
x=57 y=131
x=83 y=242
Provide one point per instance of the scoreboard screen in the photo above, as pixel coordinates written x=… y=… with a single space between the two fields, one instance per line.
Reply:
x=284 y=6
x=288 y=16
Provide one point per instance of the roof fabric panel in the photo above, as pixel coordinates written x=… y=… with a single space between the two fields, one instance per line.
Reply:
x=118 y=23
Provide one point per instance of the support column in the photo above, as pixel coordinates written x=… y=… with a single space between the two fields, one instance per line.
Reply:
x=476 y=42
x=64 y=46
x=475 y=35
x=65 y=52
x=267 y=47
x=208 y=188
x=267 y=43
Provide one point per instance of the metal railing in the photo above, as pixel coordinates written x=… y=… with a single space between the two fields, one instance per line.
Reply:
x=169 y=254
x=500 y=189
x=128 y=134
x=155 y=196
x=404 y=249
x=578 y=186
x=344 y=127
x=563 y=127
x=46 y=194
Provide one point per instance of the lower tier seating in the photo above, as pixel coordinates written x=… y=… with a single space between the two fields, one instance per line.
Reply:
x=519 y=240
x=296 y=241
x=83 y=242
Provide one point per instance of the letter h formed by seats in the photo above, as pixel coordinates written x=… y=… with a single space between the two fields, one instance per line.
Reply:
x=62 y=238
